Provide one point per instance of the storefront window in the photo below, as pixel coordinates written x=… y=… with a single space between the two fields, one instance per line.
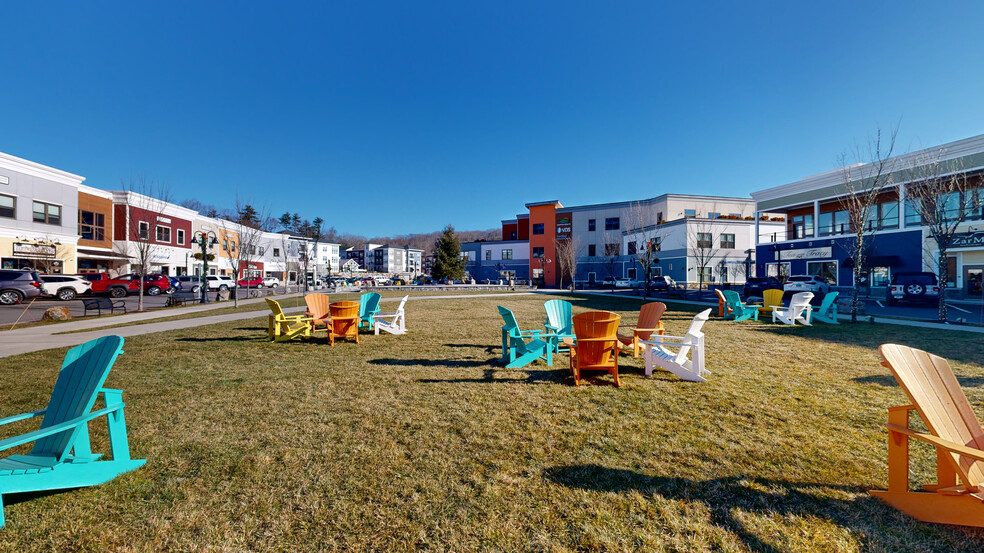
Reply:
x=777 y=270
x=827 y=270
x=912 y=217
x=880 y=276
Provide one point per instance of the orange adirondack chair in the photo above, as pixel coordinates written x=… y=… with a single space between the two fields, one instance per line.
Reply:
x=344 y=321
x=954 y=430
x=649 y=322
x=317 y=309
x=597 y=344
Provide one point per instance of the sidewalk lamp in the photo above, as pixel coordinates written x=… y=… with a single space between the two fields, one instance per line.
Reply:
x=206 y=239
x=543 y=275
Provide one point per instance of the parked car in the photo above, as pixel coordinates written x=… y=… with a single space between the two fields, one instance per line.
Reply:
x=806 y=283
x=271 y=282
x=64 y=287
x=755 y=286
x=220 y=282
x=16 y=286
x=922 y=287
x=102 y=283
x=623 y=283
x=254 y=282
x=190 y=282
x=175 y=283
x=154 y=284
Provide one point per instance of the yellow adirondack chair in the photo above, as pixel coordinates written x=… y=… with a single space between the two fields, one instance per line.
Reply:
x=597 y=344
x=649 y=322
x=317 y=309
x=770 y=297
x=954 y=430
x=281 y=327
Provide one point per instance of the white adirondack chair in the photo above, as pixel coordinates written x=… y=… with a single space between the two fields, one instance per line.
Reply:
x=396 y=323
x=656 y=353
x=799 y=309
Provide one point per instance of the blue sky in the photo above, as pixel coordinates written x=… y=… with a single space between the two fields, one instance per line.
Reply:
x=397 y=117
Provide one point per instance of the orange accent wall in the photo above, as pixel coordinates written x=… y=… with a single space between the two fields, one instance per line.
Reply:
x=88 y=202
x=546 y=214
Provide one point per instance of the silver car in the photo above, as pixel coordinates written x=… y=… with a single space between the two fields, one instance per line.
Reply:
x=807 y=283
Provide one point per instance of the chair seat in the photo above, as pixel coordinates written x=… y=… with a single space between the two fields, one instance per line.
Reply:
x=26 y=464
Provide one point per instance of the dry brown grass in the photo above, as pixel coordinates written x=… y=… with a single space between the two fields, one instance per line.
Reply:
x=423 y=442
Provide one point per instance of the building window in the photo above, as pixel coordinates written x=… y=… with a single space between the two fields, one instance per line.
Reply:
x=612 y=250
x=727 y=241
x=659 y=216
x=92 y=226
x=835 y=222
x=276 y=252
x=512 y=235
x=232 y=246
x=778 y=270
x=630 y=274
x=631 y=247
x=704 y=273
x=826 y=270
x=143 y=230
x=591 y=250
x=225 y=244
x=912 y=217
x=879 y=276
x=611 y=223
x=656 y=243
x=488 y=255
x=689 y=212
x=704 y=240
x=181 y=237
x=164 y=234
x=537 y=228
x=47 y=213
x=537 y=253
x=8 y=205
x=882 y=216
x=713 y=215
x=802 y=226
x=591 y=224
x=507 y=254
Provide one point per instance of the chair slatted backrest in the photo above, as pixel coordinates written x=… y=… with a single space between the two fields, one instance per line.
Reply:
x=828 y=301
x=801 y=299
x=649 y=316
x=511 y=326
x=317 y=305
x=559 y=315
x=403 y=302
x=82 y=375
x=693 y=332
x=929 y=382
x=274 y=306
x=596 y=324
x=368 y=304
x=772 y=296
x=733 y=299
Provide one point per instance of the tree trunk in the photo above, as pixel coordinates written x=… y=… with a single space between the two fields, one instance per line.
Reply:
x=943 y=279
x=854 y=294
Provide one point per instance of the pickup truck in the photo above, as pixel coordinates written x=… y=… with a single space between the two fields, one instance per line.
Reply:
x=102 y=283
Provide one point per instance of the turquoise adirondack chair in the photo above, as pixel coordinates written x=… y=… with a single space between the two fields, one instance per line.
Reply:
x=62 y=457
x=368 y=307
x=560 y=322
x=740 y=311
x=827 y=312
x=516 y=351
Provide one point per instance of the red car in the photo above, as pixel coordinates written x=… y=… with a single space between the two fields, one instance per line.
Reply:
x=102 y=283
x=255 y=282
x=153 y=284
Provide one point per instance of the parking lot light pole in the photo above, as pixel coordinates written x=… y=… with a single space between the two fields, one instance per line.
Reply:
x=205 y=239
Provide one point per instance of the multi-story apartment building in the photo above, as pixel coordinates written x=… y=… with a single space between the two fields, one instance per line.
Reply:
x=328 y=259
x=819 y=236
x=39 y=209
x=163 y=230
x=356 y=254
x=499 y=259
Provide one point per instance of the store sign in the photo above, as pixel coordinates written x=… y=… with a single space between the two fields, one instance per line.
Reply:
x=160 y=257
x=968 y=240
x=805 y=253
x=564 y=226
x=163 y=219
x=33 y=249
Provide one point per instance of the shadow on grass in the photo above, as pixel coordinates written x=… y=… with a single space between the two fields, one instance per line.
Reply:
x=728 y=498
x=452 y=363
x=888 y=380
x=225 y=339
x=503 y=376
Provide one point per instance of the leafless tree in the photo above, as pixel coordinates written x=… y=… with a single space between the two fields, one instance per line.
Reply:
x=701 y=246
x=144 y=203
x=247 y=225
x=865 y=181
x=611 y=254
x=944 y=195
x=643 y=220
x=567 y=252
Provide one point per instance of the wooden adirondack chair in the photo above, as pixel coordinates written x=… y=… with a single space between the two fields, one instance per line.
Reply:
x=827 y=312
x=368 y=307
x=397 y=320
x=516 y=351
x=741 y=311
x=954 y=430
x=799 y=309
x=345 y=321
x=317 y=310
x=597 y=344
x=61 y=457
x=282 y=327
x=770 y=298
x=723 y=309
x=655 y=352
x=559 y=322
x=649 y=322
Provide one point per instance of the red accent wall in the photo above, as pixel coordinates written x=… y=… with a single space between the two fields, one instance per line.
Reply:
x=547 y=215
x=508 y=228
x=524 y=229
x=129 y=232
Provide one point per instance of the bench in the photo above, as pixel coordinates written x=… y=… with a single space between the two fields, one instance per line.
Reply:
x=180 y=297
x=98 y=304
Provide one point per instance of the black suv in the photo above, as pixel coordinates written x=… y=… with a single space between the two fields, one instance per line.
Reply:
x=913 y=287
x=16 y=286
x=755 y=286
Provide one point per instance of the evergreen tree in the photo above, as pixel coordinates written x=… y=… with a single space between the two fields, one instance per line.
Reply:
x=248 y=216
x=286 y=222
x=448 y=263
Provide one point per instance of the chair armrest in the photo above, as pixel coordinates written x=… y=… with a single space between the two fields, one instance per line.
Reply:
x=67 y=425
x=568 y=340
x=668 y=343
x=961 y=450
x=22 y=416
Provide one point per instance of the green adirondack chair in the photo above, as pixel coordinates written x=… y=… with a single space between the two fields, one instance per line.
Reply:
x=740 y=311
x=827 y=312
x=516 y=351
x=368 y=307
x=560 y=322
x=62 y=457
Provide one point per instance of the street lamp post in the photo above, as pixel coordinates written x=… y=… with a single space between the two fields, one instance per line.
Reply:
x=543 y=275
x=205 y=239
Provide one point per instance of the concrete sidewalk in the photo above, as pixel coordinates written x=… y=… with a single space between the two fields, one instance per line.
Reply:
x=38 y=338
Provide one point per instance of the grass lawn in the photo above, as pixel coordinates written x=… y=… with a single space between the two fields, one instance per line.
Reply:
x=423 y=442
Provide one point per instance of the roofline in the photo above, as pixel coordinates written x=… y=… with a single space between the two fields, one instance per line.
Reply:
x=35 y=169
x=548 y=202
x=649 y=201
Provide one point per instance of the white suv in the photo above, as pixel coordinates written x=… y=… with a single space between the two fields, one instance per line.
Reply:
x=271 y=282
x=807 y=283
x=64 y=287
x=220 y=282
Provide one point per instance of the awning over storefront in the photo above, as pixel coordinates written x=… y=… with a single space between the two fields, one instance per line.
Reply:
x=100 y=254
